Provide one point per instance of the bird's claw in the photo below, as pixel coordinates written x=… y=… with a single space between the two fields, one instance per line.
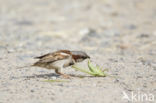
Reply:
x=66 y=76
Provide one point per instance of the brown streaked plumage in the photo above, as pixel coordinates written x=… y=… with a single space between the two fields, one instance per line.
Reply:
x=60 y=59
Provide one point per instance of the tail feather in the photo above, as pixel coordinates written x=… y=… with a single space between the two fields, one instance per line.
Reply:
x=28 y=66
x=24 y=66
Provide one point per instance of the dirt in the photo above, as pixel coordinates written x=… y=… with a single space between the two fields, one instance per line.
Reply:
x=118 y=34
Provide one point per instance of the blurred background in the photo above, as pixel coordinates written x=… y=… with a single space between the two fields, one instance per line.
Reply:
x=77 y=24
x=117 y=34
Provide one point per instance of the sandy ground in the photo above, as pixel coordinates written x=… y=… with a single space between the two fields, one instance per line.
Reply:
x=118 y=34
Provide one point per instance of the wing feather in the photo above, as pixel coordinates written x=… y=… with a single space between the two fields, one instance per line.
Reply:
x=52 y=57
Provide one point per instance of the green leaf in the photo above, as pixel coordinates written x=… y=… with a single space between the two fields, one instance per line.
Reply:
x=94 y=71
x=82 y=70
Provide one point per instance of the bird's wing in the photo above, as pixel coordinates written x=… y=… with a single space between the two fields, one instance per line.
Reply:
x=51 y=57
x=54 y=53
x=40 y=57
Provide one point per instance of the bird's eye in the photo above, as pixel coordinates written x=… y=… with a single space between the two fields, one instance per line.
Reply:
x=84 y=57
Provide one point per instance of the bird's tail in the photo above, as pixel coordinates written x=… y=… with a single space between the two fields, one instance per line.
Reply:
x=27 y=66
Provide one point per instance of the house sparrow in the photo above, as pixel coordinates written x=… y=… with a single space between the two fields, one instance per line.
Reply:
x=60 y=59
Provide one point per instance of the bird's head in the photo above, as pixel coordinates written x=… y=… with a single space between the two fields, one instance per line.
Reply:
x=79 y=56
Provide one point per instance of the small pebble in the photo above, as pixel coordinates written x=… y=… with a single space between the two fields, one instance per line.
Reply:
x=54 y=78
x=32 y=91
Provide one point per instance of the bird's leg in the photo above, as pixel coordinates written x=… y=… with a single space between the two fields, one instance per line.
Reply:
x=58 y=71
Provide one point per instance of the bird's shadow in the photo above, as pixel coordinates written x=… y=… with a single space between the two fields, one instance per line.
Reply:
x=49 y=75
x=82 y=76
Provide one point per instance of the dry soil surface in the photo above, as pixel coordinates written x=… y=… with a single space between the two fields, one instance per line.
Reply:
x=118 y=34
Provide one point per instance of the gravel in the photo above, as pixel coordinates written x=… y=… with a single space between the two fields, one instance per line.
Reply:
x=118 y=35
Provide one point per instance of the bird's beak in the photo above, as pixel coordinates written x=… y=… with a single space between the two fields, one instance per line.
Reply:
x=88 y=57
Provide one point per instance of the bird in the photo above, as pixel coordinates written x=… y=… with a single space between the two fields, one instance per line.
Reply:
x=60 y=59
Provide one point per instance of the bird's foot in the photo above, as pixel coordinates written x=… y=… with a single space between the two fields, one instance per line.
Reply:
x=66 y=76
